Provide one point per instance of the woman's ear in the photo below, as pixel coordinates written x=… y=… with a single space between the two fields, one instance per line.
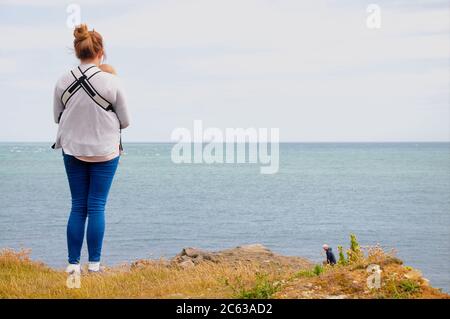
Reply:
x=101 y=56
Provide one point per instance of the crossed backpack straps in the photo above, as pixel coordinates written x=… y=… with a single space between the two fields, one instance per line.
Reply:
x=82 y=82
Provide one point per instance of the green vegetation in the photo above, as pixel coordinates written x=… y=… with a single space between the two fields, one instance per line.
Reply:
x=408 y=268
x=341 y=261
x=409 y=286
x=354 y=254
x=263 y=288
x=308 y=273
x=305 y=273
x=318 y=269
x=400 y=289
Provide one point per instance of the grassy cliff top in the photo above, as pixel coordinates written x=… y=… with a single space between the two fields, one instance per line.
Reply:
x=250 y=271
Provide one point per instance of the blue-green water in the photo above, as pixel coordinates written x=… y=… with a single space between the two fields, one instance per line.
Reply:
x=395 y=194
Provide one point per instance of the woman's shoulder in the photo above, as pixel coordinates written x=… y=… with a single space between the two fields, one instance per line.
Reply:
x=105 y=76
x=64 y=81
x=107 y=80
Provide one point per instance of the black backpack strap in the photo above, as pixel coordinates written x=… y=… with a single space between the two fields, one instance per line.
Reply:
x=81 y=81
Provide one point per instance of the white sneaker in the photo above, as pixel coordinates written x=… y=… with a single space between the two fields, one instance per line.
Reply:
x=73 y=268
x=94 y=267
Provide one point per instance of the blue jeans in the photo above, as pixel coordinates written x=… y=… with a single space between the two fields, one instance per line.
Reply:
x=89 y=186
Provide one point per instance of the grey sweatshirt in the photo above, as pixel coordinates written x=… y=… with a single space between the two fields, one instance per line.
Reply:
x=86 y=128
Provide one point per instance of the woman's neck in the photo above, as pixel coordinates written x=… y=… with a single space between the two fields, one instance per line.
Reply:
x=91 y=61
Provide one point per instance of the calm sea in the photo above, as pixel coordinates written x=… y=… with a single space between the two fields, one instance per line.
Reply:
x=394 y=194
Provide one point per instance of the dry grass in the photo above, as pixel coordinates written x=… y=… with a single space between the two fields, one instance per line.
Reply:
x=22 y=278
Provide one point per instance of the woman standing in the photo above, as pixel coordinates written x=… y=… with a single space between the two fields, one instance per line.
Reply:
x=90 y=108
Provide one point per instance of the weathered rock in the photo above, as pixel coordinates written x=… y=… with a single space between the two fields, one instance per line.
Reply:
x=413 y=275
x=184 y=257
x=255 y=248
x=253 y=253
x=425 y=282
x=194 y=255
x=192 y=252
x=187 y=264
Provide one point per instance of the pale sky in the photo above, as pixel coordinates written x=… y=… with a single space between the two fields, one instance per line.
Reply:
x=313 y=69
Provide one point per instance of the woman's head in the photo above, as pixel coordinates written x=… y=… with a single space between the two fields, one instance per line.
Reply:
x=88 y=45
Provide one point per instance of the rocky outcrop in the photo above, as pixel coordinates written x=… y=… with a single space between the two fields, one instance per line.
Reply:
x=253 y=253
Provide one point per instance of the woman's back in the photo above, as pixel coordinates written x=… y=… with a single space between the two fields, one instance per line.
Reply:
x=86 y=126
